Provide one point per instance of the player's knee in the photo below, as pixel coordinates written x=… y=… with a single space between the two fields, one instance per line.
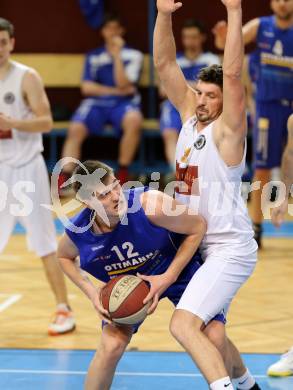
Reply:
x=132 y=121
x=215 y=332
x=113 y=349
x=77 y=132
x=182 y=323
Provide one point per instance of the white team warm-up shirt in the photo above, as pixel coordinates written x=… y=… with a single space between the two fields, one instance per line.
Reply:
x=214 y=190
x=17 y=148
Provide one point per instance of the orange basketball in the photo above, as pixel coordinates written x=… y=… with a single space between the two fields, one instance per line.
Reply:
x=123 y=298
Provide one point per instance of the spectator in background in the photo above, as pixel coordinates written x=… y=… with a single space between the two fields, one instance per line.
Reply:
x=274 y=92
x=191 y=61
x=109 y=87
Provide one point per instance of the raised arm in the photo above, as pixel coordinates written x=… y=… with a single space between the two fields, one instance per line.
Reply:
x=170 y=74
x=234 y=106
x=278 y=213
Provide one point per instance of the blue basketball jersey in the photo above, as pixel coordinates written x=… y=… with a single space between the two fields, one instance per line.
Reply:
x=275 y=77
x=135 y=245
x=99 y=68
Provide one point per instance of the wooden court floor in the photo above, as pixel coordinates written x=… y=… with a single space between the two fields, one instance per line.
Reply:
x=260 y=319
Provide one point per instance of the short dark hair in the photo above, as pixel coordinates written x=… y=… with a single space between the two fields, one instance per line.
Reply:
x=211 y=74
x=90 y=167
x=193 y=23
x=5 y=25
x=111 y=17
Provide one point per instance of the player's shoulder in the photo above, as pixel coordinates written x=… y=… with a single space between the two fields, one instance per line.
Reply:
x=27 y=70
x=31 y=79
x=82 y=218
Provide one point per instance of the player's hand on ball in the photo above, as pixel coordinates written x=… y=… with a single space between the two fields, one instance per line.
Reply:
x=278 y=213
x=159 y=284
x=232 y=4
x=168 y=6
x=102 y=313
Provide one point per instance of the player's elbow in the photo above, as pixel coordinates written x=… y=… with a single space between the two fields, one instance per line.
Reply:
x=124 y=83
x=86 y=89
x=232 y=74
x=48 y=124
x=201 y=226
x=161 y=64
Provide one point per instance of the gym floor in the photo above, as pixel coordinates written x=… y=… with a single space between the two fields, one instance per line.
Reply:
x=260 y=323
x=59 y=369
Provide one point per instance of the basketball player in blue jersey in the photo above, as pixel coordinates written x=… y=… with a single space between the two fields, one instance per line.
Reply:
x=210 y=161
x=137 y=235
x=111 y=73
x=191 y=60
x=274 y=93
x=24 y=115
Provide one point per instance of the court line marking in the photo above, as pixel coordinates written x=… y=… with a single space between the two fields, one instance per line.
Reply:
x=119 y=373
x=9 y=301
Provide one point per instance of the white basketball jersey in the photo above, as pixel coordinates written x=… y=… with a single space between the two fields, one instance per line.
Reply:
x=213 y=189
x=17 y=148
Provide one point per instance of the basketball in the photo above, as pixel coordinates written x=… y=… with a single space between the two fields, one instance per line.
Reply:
x=123 y=298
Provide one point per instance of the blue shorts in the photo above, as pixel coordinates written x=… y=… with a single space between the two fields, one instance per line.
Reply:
x=270 y=133
x=170 y=118
x=95 y=114
x=174 y=292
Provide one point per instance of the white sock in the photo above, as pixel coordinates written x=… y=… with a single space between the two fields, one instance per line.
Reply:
x=245 y=382
x=63 y=307
x=222 y=384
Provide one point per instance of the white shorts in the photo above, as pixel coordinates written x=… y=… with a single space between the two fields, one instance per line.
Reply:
x=214 y=285
x=22 y=192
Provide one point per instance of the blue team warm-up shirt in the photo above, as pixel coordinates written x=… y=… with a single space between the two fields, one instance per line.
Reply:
x=97 y=111
x=275 y=77
x=99 y=68
x=135 y=246
x=170 y=117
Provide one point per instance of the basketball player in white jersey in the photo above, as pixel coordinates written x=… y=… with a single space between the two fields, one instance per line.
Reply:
x=210 y=159
x=24 y=116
